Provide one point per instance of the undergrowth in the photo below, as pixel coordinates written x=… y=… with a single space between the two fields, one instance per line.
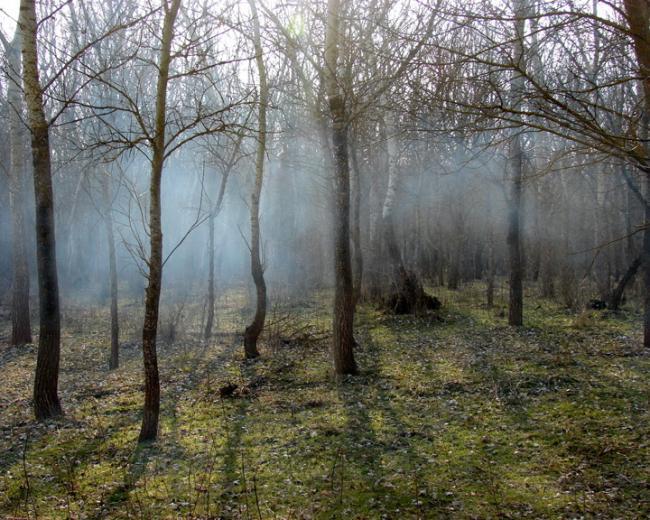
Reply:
x=455 y=415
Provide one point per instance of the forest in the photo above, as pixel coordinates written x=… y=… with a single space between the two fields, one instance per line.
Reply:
x=317 y=259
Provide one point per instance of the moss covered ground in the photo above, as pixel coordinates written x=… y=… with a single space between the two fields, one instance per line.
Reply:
x=453 y=416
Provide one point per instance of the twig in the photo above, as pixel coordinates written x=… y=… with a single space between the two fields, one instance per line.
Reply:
x=257 y=500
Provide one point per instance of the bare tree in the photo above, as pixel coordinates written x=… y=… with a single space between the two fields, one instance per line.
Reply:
x=226 y=169
x=107 y=199
x=516 y=307
x=151 y=410
x=187 y=106
x=46 y=398
x=343 y=314
x=252 y=332
x=638 y=18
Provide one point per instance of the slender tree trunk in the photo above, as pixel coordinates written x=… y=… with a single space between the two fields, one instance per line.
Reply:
x=46 y=381
x=547 y=246
x=343 y=315
x=646 y=266
x=69 y=256
x=489 y=293
x=216 y=209
x=114 y=360
x=356 y=225
x=491 y=260
x=253 y=331
x=394 y=254
x=638 y=18
x=453 y=274
x=21 y=331
x=151 y=410
x=617 y=294
x=406 y=292
x=210 y=303
x=515 y=311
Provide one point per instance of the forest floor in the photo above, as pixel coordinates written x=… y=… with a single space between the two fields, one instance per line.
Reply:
x=459 y=416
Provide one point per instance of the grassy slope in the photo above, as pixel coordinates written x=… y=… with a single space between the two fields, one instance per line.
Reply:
x=462 y=418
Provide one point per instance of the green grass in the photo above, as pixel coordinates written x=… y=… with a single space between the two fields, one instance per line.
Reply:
x=460 y=417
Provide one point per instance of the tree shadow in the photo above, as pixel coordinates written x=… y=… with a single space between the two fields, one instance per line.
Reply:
x=120 y=497
x=364 y=450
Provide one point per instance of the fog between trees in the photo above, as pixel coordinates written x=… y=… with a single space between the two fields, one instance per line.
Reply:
x=379 y=149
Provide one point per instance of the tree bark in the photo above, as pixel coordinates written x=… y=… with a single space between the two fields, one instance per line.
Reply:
x=638 y=19
x=21 y=331
x=151 y=410
x=46 y=380
x=515 y=311
x=210 y=303
x=489 y=291
x=253 y=331
x=343 y=314
x=406 y=294
x=114 y=359
x=617 y=294
x=356 y=225
x=646 y=266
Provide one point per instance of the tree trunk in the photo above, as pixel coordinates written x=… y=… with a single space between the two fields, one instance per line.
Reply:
x=406 y=293
x=489 y=292
x=646 y=266
x=343 y=315
x=21 y=331
x=46 y=381
x=515 y=311
x=638 y=18
x=216 y=209
x=210 y=303
x=253 y=331
x=617 y=294
x=151 y=410
x=547 y=246
x=356 y=225
x=114 y=360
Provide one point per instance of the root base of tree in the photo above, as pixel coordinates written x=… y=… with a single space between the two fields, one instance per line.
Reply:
x=410 y=297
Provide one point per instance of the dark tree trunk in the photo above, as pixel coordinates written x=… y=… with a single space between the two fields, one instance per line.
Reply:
x=343 y=338
x=515 y=311
x=489 y=293
x=356 y=225
x=638 y=19
x=343 y=314
x=645 y=251
x=253 y=331
x=151 y=409
x=21 y=331
x=616 y=296
x=46 y=399
x=114 y=359
x=210 y=303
